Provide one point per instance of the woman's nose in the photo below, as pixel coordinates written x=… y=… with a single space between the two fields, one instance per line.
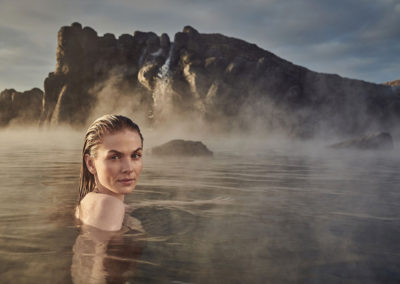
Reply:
x=127 y=165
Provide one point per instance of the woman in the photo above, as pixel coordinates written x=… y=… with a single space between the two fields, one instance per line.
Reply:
x=111 y=165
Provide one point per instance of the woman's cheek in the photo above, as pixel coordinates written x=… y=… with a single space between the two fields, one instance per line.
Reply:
x=112 y=168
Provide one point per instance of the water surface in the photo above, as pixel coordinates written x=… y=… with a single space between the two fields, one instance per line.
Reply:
x=251 y=214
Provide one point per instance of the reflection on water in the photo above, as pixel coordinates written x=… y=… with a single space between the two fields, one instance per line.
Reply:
x=98 y=256
x=247 y=215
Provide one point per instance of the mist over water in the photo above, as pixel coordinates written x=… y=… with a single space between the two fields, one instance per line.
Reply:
x=259 y=211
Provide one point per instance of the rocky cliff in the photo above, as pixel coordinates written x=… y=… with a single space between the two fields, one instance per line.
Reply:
x=208 y=77
x=20 y=107
x=395 y=83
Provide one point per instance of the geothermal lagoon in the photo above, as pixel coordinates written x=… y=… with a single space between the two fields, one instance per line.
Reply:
x=258 y=211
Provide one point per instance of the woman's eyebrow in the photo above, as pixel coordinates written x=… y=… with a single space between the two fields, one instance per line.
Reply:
x=120 y=153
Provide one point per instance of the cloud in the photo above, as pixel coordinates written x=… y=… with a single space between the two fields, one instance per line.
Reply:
x=355 y=38
x=23 y=63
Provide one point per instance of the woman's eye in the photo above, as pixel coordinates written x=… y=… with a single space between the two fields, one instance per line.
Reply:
x=136 y=155
x=114 y=157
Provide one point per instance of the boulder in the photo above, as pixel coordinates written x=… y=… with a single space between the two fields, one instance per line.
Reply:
x=181 y=147
x=377 y=141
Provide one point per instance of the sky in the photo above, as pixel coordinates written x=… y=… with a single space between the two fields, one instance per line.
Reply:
x=357 y=39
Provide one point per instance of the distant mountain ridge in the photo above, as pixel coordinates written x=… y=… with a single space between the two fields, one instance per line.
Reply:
x=393 y=83
x=219 y=80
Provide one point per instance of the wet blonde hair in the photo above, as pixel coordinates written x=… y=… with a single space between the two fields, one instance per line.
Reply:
x=107 y=124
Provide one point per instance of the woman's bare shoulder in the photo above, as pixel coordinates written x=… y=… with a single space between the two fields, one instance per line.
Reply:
x=101 y=211
x=94 y=199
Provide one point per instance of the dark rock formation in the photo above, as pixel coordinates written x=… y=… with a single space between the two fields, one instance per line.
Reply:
x=209 y=77
x=229 y=79
x=20 y=108
x=394 y=83
x=86 y=64
x=180 y=147
x=379 y=141
x=395 y=86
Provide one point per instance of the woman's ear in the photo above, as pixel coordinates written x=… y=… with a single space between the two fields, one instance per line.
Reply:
x=90 y=164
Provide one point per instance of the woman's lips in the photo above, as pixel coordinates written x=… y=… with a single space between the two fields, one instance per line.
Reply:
x=127 y=181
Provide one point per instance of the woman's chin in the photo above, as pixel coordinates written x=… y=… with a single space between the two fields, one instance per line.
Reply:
x=125 y=190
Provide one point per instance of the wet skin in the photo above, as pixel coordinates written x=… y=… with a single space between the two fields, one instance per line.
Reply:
x=117 y=163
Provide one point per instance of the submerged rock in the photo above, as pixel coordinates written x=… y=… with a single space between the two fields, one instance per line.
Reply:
x=182 y=148
x=378 y=141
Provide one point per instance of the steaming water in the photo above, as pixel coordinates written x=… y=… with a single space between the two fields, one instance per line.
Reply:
x=250 y=214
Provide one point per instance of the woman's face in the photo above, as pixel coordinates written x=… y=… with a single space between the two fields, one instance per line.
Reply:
x=117 y=163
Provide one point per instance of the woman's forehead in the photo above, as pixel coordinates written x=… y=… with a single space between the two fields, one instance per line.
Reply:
x=121 y=140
